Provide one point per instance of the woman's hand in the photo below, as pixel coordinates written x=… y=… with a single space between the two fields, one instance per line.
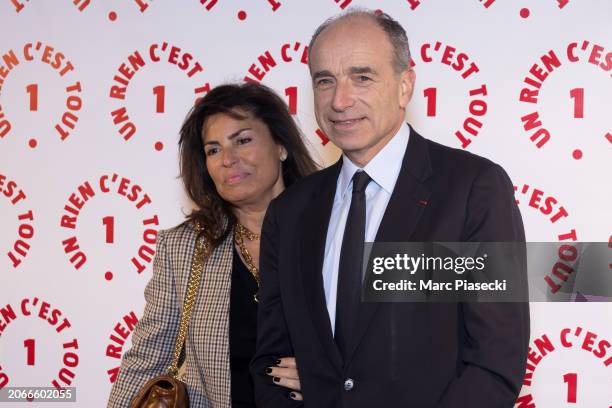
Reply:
x=285 y=374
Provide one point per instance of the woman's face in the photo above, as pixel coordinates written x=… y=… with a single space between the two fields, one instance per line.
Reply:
x=243 y=159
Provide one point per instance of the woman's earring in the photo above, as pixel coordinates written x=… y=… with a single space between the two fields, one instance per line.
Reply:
x=283 y=156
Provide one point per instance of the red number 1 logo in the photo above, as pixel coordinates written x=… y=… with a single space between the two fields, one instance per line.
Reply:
x=160 y=94
x=291 y=93
x=577 y=94
x=109 y=223
x=30 y=346
x=431 y=95
x=572 y=386
x=32 y=90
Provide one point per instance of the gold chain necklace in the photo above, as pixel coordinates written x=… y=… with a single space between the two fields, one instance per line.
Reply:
x=240 y=232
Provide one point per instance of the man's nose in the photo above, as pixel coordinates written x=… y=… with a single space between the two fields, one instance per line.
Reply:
x=343 y=98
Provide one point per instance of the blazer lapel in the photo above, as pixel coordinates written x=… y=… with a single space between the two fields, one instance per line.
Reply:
x=314 y=226
x=407 y=202
x=209 y=329
x=410 y=195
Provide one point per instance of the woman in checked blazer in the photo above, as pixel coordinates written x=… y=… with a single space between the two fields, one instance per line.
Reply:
x=239 y=148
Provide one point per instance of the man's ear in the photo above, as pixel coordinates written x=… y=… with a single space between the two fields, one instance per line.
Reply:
x=406 y=87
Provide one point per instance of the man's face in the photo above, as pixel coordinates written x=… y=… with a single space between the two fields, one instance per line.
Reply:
x=360 y=99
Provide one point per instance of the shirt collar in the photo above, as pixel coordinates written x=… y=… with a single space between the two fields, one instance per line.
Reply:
x=384 y=168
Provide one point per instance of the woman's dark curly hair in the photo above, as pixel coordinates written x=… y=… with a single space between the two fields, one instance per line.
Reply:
x=234 y=100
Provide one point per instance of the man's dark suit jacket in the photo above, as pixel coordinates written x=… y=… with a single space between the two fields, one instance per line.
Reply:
x=418 y=355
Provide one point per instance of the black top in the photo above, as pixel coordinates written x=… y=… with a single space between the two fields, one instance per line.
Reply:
x=242 y=332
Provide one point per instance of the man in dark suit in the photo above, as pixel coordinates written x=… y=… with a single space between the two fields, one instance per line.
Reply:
x=390 y=185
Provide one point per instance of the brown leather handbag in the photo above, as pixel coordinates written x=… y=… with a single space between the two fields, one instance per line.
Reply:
x=161 y=392
x=167 y=391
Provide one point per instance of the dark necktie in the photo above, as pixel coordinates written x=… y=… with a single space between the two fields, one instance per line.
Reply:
x=351 y=259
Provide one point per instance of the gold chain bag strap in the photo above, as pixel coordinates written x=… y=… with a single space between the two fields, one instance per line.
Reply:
x=167 y=391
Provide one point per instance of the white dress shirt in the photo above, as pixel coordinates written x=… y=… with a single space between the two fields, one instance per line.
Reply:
x=383 y=169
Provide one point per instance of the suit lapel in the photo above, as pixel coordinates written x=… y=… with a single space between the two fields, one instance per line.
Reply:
x=314 y=224
x=407 y=202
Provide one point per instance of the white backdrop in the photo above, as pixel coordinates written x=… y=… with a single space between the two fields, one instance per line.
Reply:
x=92 y=95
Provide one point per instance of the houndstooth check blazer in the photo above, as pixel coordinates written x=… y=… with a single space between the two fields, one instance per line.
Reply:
x=207 y=373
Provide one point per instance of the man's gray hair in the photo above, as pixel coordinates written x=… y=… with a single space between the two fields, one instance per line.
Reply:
x=393 y=29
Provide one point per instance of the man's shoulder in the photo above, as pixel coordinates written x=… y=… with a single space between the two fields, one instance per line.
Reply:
x=445 y=159
x=300 y=190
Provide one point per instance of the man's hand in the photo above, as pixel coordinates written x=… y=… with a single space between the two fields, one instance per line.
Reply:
x=285 y=374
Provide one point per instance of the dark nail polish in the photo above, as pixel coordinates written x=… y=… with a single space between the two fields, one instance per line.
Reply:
x=276 y=379
x=277 y=362
x=268 y=370
x=292 y=395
